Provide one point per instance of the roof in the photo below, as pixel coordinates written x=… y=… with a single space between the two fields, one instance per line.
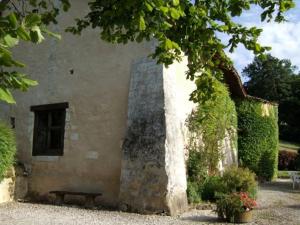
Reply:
x=234 y=82
x=236 y=87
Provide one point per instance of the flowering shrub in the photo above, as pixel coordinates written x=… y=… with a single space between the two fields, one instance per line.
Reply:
x=247 y=202
x=229 y=206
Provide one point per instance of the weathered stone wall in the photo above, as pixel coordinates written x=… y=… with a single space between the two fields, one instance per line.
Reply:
x=153 y=177
x=7 y=187
x=148 y=173
x=143 y=175
x=177 y=108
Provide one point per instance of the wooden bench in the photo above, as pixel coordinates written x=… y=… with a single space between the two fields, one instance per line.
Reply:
x=89 y=197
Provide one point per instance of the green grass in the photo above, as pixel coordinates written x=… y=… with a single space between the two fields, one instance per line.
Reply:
x=283 y=174
x=289 y=146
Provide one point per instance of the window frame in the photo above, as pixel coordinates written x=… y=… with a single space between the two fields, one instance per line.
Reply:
x=48 y=109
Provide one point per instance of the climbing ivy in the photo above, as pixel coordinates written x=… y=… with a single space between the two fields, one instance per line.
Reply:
x=258 y=137
x=208 y=125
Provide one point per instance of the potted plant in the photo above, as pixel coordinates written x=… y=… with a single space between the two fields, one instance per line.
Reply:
x=236 y=207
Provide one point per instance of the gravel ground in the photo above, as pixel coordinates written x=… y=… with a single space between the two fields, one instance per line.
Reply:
x=278 y=204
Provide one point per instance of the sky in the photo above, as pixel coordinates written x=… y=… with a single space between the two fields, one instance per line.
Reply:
x=284 y=38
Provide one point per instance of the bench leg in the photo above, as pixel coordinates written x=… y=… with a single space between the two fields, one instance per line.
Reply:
x=59 y=199
x=89 y=202
x=293 y=184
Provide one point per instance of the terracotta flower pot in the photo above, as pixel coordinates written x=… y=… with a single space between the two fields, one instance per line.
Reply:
x=244 y=217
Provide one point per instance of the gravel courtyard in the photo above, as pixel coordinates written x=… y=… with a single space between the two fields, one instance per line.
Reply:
x=278 y=204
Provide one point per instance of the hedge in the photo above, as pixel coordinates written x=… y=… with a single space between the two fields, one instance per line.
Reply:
x=258 y=137
x=7 y=149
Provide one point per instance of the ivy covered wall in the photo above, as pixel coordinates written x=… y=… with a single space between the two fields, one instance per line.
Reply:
x=213 y=121
x=258 y=137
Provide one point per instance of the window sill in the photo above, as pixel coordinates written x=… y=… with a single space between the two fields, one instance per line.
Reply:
x=46 y=158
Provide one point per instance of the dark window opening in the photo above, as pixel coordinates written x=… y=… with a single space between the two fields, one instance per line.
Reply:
x=49 y=129
x=13 y=122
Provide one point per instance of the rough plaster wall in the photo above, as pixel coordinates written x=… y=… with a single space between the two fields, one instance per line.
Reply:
x=7 y=187
x=153 y=177
x=97 y=93
x=4 y=112
x=229 y=152
x=6 y=190
x=177 y=108
x=143 y=176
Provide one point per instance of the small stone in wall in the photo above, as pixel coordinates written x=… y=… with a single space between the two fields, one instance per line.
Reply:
x=74 y=136
x=91 y=155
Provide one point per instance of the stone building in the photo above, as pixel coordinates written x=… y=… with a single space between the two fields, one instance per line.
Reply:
x=104 y=118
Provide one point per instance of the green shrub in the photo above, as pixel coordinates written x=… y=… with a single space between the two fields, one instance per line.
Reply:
x=7 y=149
x=196 y=176
x=238 y=179
x=211 y=188
x=266 y=164
x=194 y=192
x=258 y=137
x=196 y=171
x=229 y=206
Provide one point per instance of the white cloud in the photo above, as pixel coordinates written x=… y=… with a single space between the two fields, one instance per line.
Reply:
x=284 y=38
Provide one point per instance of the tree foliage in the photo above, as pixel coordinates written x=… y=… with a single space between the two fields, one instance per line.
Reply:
x=277 y=80
x=22 y=20
x=181 y=27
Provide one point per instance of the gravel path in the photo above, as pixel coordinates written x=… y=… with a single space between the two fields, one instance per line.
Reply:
x=278 y=204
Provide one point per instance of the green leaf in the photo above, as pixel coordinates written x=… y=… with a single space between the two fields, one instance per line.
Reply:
x=168 y=44
x=164 y=9
x=9 y=41
x=32 y=20
x=13 y=20
x=176 y=2
x=149 y=7
x=175 y=13
x=223 y=28
x=142 y=24
x=51 y=34
x=23 y=34
x=36 y=35
x=257 y=47
x=166 y=25
x=6 y=96
x=29 y=82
